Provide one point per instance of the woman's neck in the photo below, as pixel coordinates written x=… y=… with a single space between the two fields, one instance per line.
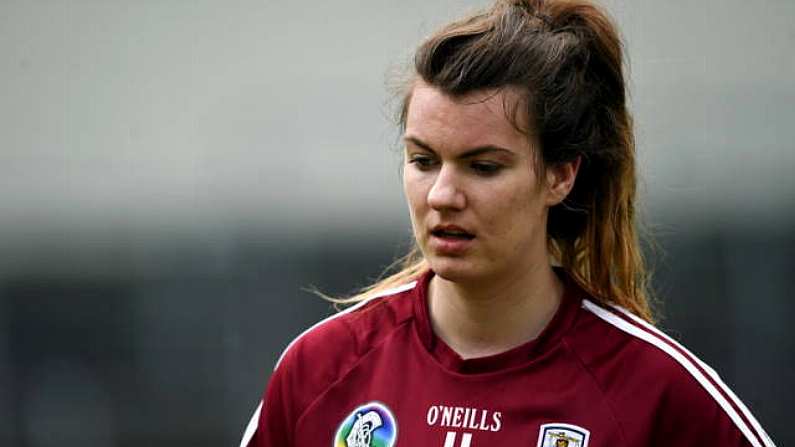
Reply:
x=496 y=315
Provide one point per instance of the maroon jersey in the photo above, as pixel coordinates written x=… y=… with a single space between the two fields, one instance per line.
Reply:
x=376 y=375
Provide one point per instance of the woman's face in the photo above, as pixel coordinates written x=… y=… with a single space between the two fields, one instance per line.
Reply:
x=476 y=206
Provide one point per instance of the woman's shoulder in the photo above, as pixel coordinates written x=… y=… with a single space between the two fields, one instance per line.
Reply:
x=653 y=381
x=611 y=337
x=352 y=332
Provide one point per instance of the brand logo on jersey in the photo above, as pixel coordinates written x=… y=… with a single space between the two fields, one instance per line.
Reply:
x=562 y=435
x=370 y=425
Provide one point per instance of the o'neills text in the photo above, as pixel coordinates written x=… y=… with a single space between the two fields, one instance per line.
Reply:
x=462 y=417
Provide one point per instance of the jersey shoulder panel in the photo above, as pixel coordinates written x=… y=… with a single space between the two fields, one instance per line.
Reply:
x=319 y=357
x=327 y=350
x=354 y=330
x=656 y=387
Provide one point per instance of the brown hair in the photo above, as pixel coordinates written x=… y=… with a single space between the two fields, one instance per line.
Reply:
x=565 y=56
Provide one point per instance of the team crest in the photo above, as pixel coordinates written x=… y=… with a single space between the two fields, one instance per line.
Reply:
x=562 y=435
x=370 y=425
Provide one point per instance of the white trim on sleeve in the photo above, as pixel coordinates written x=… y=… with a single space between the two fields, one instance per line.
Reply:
x=251 y=428
x=656 y=338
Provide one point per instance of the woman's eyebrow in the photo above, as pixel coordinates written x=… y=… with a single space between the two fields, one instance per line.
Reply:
x=474 y=152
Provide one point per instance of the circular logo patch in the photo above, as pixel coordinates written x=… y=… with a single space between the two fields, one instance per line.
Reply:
x=370 y=425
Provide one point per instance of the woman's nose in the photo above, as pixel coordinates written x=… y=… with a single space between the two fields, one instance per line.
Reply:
x=446 y=192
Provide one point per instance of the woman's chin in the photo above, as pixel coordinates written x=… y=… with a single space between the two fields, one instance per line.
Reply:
x=455 y=270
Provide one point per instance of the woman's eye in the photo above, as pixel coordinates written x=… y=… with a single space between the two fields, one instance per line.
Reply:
x=422 y=162
x=485 y=168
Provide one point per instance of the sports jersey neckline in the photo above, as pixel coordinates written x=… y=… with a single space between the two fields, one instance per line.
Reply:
x=549 y=337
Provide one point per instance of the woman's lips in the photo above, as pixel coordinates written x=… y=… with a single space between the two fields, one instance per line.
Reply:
x=445 y=244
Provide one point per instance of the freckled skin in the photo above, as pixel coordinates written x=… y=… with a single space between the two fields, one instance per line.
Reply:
x=506 y=210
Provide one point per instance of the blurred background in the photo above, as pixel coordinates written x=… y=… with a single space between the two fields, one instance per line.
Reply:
x=175 y=174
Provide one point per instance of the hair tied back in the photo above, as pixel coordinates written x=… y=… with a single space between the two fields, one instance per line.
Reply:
x=534 y=9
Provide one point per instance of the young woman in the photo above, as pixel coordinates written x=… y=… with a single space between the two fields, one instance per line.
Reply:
x=521 y=317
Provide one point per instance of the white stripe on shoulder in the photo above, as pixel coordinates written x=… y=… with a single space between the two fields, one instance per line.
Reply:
x=656 y=338
x=382 y=294
x=711 y=372
x=251 y=427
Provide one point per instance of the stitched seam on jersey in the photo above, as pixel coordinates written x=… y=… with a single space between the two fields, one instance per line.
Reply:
x=598 y=385
x=349 y=370
x=383 y=295
x=701 y=378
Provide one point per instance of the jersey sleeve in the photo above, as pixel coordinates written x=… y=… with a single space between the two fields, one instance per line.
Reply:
x=273 y=421
x=660 y=392
x=703 y=412
x=309 y=365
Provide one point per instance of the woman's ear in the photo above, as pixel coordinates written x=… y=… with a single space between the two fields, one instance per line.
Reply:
x=560 y=180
